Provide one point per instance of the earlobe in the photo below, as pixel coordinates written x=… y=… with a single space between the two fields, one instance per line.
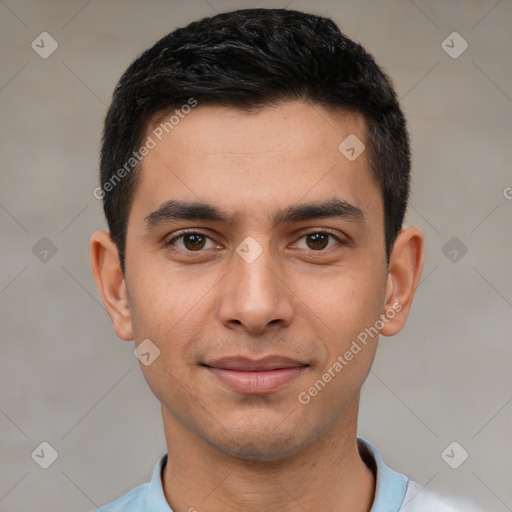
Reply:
x=111 y=283
x=405 y=268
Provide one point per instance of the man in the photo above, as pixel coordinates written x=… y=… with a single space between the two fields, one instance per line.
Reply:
x=255 y=175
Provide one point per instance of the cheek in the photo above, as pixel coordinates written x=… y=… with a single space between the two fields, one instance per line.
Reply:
x=164 y=303
x=173 y=326
x=171 y=310
x=343 y=314
x=334 y=392
x=342 y=305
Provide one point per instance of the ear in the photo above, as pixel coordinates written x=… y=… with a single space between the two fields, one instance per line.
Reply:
x=405 y=268
x=111 y=284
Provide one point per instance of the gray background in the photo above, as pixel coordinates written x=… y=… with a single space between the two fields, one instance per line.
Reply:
x=64 y=376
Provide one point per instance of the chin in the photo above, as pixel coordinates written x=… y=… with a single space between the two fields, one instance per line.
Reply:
x=264 y=450
x=265 y=439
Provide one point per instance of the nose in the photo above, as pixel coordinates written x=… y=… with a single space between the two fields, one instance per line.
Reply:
x=254 y=295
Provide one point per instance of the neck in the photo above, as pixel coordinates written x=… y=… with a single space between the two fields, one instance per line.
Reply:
x=329 y=474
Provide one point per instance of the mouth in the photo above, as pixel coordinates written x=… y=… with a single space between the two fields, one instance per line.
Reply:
x=249 y=376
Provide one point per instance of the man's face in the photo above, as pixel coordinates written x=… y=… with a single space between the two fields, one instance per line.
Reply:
x=249 y=314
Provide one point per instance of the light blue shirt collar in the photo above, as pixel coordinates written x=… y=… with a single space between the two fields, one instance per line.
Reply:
x=391 y=486
x=389 y=494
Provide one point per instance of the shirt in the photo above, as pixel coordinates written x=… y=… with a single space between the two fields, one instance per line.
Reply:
x=394 y=492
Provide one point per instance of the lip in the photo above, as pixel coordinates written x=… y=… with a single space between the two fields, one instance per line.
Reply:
x=249 y=376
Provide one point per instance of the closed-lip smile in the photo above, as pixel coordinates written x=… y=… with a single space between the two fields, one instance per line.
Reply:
x=255 y=376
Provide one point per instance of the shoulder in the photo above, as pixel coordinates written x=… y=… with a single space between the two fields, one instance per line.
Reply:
x=419 y=499
x=132 y=501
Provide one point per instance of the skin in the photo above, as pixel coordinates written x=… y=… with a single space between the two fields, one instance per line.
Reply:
x=299 y=298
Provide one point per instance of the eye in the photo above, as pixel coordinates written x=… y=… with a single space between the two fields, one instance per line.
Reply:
x=191 y=241
x=319 y=240
x=195 y=241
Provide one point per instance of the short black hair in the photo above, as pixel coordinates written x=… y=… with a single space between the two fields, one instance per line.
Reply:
x=250 y=59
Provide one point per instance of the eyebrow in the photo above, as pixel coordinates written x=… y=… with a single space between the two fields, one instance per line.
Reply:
x=183 y=210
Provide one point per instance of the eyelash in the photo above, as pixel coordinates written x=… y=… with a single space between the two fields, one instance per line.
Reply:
x=181 y=234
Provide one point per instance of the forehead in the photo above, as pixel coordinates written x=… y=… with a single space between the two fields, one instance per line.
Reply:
x=305 y=129
x=250 y=162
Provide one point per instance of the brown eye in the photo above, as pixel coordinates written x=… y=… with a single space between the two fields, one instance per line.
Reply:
x=191 y=241
x=194 y=241
x=318 y=240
